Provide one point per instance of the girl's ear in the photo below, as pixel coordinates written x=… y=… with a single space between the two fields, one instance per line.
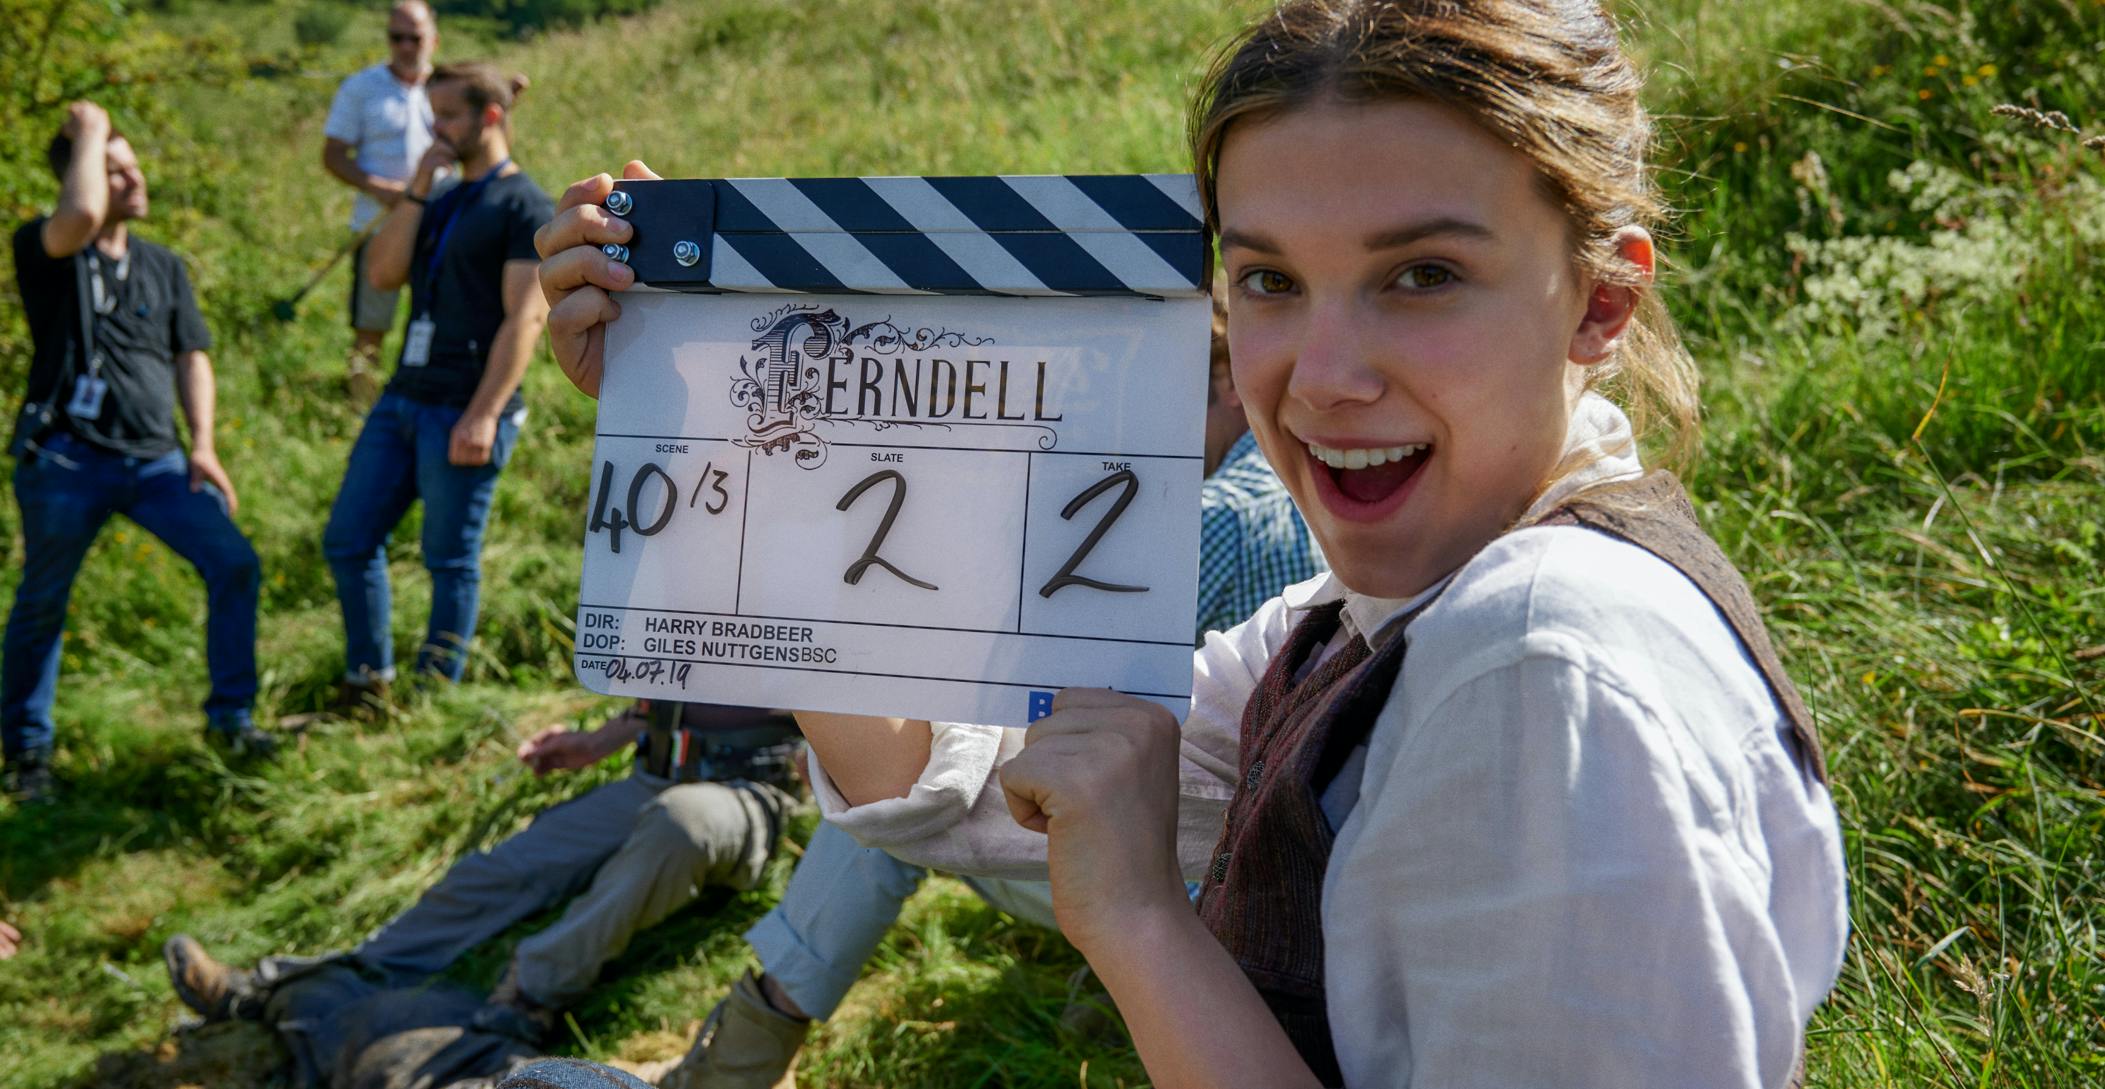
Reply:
x=1610 y=307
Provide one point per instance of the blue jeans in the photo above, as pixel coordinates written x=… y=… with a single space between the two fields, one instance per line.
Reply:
x=65 y=493
x=400 y=457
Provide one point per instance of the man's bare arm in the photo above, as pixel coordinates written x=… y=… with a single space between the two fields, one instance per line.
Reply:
x=198 y=391
x=341 y=160
x=525 y=313
x=388 y=255
x=84 y=193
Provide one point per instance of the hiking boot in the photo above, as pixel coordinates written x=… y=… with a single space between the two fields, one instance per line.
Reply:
x=745 y=1044
x=366 y=699
x=29 y=779
x=242 y=739
x=510 y=1011
x=215 y=991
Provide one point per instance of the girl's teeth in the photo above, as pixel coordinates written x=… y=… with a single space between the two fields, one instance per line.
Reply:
x=1363 y=457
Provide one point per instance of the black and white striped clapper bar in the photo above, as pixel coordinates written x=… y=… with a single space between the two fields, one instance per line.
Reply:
x=1033 y=235
x=917 y=446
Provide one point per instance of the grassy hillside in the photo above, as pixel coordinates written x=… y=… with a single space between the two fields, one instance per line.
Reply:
x=1895 y=297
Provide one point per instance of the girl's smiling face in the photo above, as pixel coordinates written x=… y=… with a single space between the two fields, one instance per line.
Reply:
x=1404 y=319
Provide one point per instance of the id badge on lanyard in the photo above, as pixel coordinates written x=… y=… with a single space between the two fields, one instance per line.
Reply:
x=88 y=392
x=416 y=342
x=91 y=388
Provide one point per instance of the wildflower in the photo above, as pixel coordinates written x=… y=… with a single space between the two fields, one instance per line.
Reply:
x=1739 y=147
x=1942 y=61
x=1811 y=173
x=1878 y=70
x=1930 y=72
x=1924 y=94
x=1987 y=71
x=1970 y=81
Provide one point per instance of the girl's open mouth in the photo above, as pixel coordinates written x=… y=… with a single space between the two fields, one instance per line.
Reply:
x=1366 y=483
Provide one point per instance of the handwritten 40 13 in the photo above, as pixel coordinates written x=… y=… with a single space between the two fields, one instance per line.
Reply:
x=663 y=502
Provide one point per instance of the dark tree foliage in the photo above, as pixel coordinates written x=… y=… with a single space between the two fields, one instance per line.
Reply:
x=527 y=16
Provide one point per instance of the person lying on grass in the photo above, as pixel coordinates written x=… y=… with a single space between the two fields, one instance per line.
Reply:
x=1518 y=794
x=705 y=806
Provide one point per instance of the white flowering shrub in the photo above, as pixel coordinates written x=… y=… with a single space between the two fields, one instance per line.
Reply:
x=1984 y=242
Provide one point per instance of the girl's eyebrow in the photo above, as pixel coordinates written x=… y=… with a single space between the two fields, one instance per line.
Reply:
x=1444 y=226
x=1248 y=241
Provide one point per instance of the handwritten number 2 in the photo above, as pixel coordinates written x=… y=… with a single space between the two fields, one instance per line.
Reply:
x=869 y=554
x=1066 y=576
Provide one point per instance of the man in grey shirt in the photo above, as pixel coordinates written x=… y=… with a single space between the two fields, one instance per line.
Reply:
x=379 y=125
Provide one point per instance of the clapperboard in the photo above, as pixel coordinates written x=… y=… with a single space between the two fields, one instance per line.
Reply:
x=907 y=446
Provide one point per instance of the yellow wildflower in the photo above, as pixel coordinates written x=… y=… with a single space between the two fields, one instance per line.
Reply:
x=1739 y=147
x=1942 y=61
x=1987 y=71
x=1924 y=94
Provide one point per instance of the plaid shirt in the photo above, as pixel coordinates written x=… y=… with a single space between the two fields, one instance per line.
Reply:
x=1252 y=542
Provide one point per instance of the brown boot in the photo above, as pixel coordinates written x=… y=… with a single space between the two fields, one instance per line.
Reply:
x=364 y=699
x=745 y=1044
x=214 y=990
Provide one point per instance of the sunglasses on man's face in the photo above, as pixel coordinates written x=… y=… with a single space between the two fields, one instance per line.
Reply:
x=404 y=39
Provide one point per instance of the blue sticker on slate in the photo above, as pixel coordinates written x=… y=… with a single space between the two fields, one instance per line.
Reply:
x=1041 y=705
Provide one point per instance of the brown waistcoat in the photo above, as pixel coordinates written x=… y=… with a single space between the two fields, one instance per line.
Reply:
x=1262 y=897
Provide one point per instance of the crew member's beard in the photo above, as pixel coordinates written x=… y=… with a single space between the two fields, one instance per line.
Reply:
x=474 y=152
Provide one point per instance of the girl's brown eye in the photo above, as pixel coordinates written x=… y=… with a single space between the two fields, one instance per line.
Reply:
x=1425 y=277
x=1265 y=281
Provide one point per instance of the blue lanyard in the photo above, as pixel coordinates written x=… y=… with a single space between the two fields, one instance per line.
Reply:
x=456 y=202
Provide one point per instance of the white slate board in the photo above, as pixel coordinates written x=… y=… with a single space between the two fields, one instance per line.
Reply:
x=726 y=536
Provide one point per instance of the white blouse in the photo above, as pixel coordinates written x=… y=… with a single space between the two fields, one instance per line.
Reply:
x=1583 y=850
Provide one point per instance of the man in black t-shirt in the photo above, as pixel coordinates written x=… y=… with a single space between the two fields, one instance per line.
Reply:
x=451 y=413
x=118 y=342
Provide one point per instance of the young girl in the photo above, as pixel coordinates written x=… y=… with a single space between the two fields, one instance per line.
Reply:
x=1517 y=795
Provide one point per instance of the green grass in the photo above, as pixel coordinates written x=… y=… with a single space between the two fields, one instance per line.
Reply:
x=1933 y=590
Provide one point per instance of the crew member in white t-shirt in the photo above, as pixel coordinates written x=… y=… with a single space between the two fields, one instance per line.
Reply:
x=378 y=127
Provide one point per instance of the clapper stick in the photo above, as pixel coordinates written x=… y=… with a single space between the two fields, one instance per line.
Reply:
x=1051 y=235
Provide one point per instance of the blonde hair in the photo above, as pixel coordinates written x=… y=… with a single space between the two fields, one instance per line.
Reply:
x=1548 y=77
